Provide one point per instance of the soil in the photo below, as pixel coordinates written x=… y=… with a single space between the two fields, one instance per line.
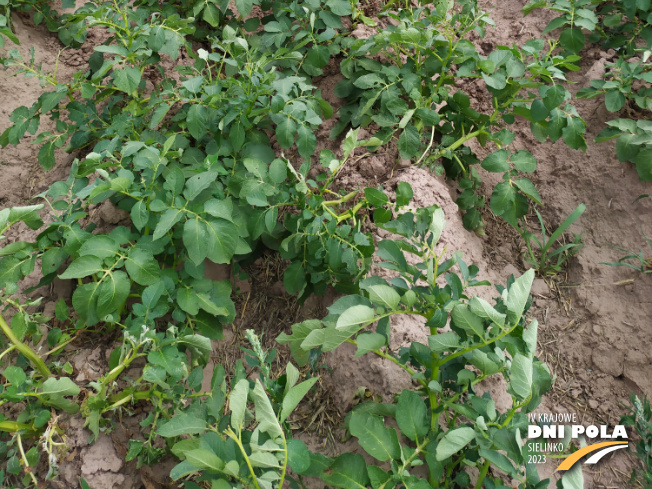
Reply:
x=595 y=332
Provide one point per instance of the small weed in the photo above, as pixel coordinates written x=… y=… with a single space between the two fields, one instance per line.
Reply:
x=641 y=263
x=542 y=253
x=640 y=418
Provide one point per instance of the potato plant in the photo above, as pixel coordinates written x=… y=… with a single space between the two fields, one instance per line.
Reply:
x=445 y=424
x=213 y=161
x=626 y=27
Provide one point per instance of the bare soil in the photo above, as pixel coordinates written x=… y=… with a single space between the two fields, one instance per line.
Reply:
x=595 y=330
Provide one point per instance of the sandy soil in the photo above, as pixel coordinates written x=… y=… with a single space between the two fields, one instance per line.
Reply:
x=595 y=331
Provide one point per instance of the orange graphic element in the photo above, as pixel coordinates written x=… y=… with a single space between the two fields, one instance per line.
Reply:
x=571 y=459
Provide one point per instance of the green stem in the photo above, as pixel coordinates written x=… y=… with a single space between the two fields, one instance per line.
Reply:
x=475 y=347
x=13 y=426
x=28 y=469
x=238 y=442
x=285 y=461
x=25 y=350
x=483 y=474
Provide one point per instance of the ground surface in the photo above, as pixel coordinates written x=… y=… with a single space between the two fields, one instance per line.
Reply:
x=595 y=330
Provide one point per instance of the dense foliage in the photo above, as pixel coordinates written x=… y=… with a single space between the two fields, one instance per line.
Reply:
x=198 y=119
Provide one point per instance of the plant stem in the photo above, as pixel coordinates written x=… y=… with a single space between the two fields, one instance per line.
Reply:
x=28 y=469
x=25 y=350
x=13 y=426
x=483 y=474
x=238 y=442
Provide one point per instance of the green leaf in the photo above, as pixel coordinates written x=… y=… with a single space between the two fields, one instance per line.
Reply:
x=368 y=81
x=614 y=100
x=368 y=342
x=244 y=6
x=204 y=459
x=349 y=471
x=294 y=396
x=376 y=197
x=524 y=161
x=404 y=194
x=140 y=215
x=498 y=459
x=193 y=84
x=573 y=478
x=409 y=142
x=572 y=39
x=195 y=239
x=278 y=172
x=168 y=219
x=465 y=319
x=198 y=183
x=15 y=375
x=51 y=260
x=197 y=121
x=168 y=358
x=377 y=440
x=538 y=111
x=626 y=147
x=142 y=267
x=453 y=442
x=306 y=141
x=643 y=161
x=444 y=341
x=384 y=295
x=46 y=156
x=294 y=277
x=340 y=7
x=298 y=456
x=82 y=267
x=520 y=378
x=412 y=415
x=285 y=132
x=127 y=79
x=238 y=404
x=207 y=304
x=59 y=387
x=528 y=188
x=84 y=300
x=573 y=133
x=437 y=225
x=518 y=294
x=356 y=315
x=222 y=240
x=267 y=422
x=496 y=162
x=211 y=14
x=483 y=309
x=101 y=246
x=182 y=424
x=497 y=81
x=187 y=300
x=553 y=96
x=113 y=292
x=508 y=204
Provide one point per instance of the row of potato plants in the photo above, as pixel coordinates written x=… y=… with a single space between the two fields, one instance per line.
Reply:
x=187 y=153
